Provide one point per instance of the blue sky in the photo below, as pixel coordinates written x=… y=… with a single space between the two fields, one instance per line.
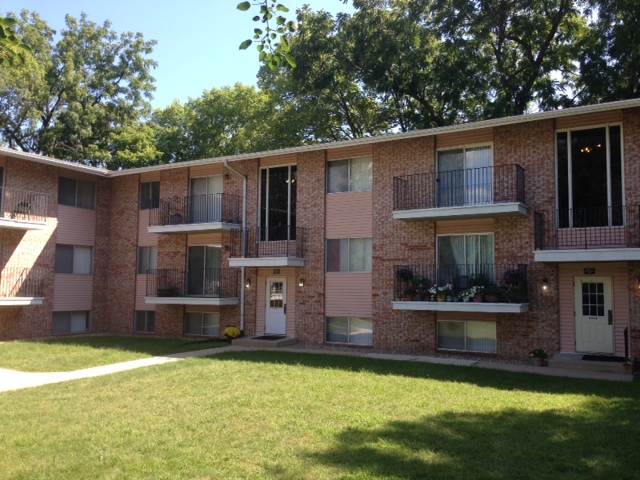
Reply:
x=197 y=40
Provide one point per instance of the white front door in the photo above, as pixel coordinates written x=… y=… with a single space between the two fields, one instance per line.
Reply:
x=594 y=314
x=276 y=312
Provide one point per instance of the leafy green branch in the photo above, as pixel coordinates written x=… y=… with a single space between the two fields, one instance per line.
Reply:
x=273 y=46
x=12 y=48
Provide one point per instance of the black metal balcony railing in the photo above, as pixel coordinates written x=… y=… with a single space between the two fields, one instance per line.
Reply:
x=606 y=227
x=22 y=282
x=201 y=282
x=281 y=241
x=507 y=282
x=24 y=205
x=217 y=207
x=474 y=186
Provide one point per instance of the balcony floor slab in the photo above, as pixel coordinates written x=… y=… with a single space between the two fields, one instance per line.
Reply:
x=185 y=228
x=470 y=307
x=587 y=255
x=267 y=262
x=20 y=301
x=462 y=212
x=215 y=301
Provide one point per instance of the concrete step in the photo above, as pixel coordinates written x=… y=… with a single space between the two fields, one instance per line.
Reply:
x=574 y=361
x=270 y=341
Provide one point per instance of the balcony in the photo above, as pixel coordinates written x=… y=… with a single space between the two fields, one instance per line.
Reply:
x=607 y=234
x=485 y=192
x=22 y=286
x=23 y=210
x=487 y=288
x=206 y=286
x=196 y=214
x=268 y=247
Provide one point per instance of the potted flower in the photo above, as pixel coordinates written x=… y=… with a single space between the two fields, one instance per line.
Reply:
x=230 y=333
x=441 y=293
x=539 y=357
x=470 y=294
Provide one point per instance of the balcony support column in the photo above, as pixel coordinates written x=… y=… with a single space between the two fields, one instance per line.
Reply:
x=244 y=241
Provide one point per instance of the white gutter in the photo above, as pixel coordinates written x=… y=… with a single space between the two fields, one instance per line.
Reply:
x=244 y=241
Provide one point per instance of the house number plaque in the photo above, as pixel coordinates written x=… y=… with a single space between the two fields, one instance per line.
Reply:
x=589 y=271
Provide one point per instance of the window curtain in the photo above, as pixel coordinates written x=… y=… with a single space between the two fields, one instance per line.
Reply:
x=86 y=195
x=360 y=331
x=338 y=176
x=481 y=337
x=479 y=177
x=361 y=174
x=82 y=260
x=360 y=253
x=479 y=250
x=451 y=335
x=78 y=322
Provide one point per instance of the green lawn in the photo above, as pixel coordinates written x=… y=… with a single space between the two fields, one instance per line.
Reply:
x=277 y=415
x=76 y=353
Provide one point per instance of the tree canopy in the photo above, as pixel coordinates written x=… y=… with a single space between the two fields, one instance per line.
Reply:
x=83 y=98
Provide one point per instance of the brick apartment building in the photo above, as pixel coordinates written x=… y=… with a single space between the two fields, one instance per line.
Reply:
x=534 y=220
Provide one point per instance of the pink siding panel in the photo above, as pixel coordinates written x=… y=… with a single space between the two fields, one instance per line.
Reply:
x=72 y=292
x=206 y=170
x=578 y=121
x=461 y=227
x=150 y=177
x=145 y=239
x=348 y=294
x=620 y=286
x=205 y=239
x=291 y=159
x=261 y=298
x=349 y=215
x=349 y=152
x=464 y=138
x=76 y=226
x=202 y=309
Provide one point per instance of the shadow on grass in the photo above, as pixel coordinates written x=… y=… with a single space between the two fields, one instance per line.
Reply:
x=447 y=373
x=594 y=443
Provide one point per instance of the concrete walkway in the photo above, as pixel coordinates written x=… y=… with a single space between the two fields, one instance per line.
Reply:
x=14 y=380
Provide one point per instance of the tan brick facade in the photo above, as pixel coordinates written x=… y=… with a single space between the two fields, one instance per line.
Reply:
x=529 y=144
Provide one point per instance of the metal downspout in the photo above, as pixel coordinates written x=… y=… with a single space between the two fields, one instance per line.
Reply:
x=244 y=241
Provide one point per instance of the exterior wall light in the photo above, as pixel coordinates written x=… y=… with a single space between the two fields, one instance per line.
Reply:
x=545 y=284
x=248 y=283
x=301 y=282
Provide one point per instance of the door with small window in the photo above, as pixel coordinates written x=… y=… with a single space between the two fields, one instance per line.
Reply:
x=594 y=314
x=276 y=308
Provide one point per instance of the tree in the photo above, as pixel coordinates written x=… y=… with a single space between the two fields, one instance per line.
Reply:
x=321 y=99
x=609 y=53
x=225 y=121
x=81 y=98
x=12 y=48
x=271 y=52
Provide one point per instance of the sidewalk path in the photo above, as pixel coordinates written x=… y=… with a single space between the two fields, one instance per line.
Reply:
x=14 y=380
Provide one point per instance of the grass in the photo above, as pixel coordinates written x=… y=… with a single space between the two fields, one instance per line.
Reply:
x=76 y=353
x=277 y=415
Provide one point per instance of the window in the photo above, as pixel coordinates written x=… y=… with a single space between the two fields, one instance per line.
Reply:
x=465 y=177
x=589 y=178
x=149 y=195
x=203 y=270
x=467 y=336
x=350 y=330
x=278 y=203
x=147 y=259
x=349 y=255
x=70 y=322
x=74 y=259
x=205 y=202
x=351 y=175
x=145 y=321
x=203 y=323
x=461 y=257
x=76 y=193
